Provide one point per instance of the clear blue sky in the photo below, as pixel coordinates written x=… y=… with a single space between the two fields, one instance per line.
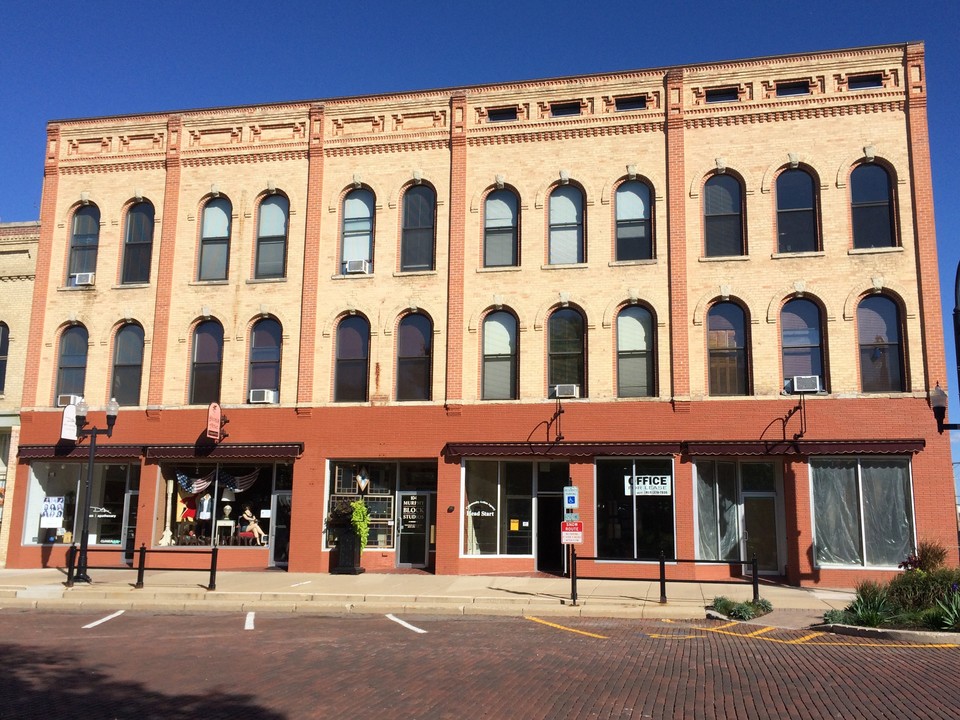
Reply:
x=102 y=57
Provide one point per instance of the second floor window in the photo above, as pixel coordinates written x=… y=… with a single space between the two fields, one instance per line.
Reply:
x=357 y=238
x=352 y=367
x=265 y=342
x=797 y=227
x=84 y=241
x=500 y=357
x=567 y=351
x=501 y=246
x=635 y=353
x=566 y=226
x=72 y=365
x=727 y=350
x=138 y=245
x=215 y=240
x=417 y=240
x=4 y=350
x=881 y=350
x=127 y=365
x=872 y=207
x=634 y=239
x=723 y=217
x=272 y=238
x=801 y=342
x=414 y=353
x=207 y=362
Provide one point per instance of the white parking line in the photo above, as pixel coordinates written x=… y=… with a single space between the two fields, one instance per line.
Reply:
x=305 y=582
x=118 y=613
x=407 y=625
x=248 y=625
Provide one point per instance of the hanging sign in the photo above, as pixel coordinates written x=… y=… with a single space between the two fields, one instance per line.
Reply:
x=213 y=422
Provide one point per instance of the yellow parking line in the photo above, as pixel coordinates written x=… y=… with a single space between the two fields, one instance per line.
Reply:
x=803 y=639
x=761 y=631
x=561 y=627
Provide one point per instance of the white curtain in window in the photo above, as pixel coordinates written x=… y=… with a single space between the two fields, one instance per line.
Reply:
x=273 y=217
x=707 y=511
x=566 y=226
x=216 y=219
x=887 y=512
x=633 y=330
x=499 y=347
x=357 y=226
x=836 y=513
x=633 y=201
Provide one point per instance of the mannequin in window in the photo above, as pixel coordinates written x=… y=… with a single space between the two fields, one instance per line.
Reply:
x=249 y=523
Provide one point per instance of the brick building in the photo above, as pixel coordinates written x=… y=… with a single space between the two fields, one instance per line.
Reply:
x=706 y=296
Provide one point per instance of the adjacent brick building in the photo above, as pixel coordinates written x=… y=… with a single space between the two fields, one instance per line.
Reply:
x=705 y=296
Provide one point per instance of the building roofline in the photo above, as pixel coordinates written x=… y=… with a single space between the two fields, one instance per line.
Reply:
x=456 y=89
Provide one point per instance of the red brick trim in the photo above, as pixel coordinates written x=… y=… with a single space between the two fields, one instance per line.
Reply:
x=453 y=387
x=311 y=257
x=677 y=238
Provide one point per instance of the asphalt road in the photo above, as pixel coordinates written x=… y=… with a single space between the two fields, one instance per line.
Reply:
x=146 y=665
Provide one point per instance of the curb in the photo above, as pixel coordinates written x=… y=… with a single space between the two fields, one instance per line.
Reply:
x=914 y=637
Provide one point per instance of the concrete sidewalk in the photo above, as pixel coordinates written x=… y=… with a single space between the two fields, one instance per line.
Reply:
x=320 y=593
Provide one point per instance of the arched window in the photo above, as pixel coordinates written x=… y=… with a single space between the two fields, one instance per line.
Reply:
x=207 y=361
x=266 y=339
x=881 y=350
x=138 y=244
x=272 y=237
x=215 y=240
x=84 y=242
x=872 y=207
x=723 y=217
x=4 y=351
x=501 y=237
x=500 y=381
x=127 y=364
x=634 y=239
x=414 y=352
x=72 y=365
x=567 y=352
x=635 y=356
x=727 y=350
x=566 y=226
x=797 y=221
x=357 y=250
x=801 y=342
x=416 y=242
x=353 y=364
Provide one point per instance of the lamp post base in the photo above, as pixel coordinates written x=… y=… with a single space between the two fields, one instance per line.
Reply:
x=82 y=577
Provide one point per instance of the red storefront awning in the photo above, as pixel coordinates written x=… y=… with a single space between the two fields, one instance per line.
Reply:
x=561 y=449
x=71 y=451
x=232 y=451
x=805 y=447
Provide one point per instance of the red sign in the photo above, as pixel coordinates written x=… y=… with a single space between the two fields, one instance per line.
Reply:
x=566 y=527
x=213 y=422
x=571 y=532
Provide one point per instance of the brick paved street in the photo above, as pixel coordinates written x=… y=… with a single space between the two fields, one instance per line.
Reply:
x=157 y=665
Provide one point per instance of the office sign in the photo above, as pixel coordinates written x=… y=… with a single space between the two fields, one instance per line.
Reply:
x=634 y=485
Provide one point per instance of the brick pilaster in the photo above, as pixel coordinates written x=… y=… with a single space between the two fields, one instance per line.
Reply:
x=311 y=258
x=677 y=237
x=453 y=392
x=165 y=273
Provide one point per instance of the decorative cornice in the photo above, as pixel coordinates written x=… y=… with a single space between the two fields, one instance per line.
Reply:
x=244 y=158
x=8 y=278
x=571 y=133
x=751 y=118
x=107 y=166
x=385 y=147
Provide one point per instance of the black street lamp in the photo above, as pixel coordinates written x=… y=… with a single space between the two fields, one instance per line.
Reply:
x=113 y=407
x=938 y=398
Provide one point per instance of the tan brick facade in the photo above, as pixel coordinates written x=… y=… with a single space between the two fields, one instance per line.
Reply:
x=569 y=132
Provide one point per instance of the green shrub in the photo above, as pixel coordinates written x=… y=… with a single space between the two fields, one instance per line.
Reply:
x=870 y=608
x=763 y=606
x=930 y=556
x=722 y=605
x=950 y=612
x=743 y=611
x=917 y=590
x=836 y=617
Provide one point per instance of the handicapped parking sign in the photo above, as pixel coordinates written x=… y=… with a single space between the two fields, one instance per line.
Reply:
x=571 y=498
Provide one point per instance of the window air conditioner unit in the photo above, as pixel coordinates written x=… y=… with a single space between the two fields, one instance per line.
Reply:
x=263 y=396
x=806 y=384
x=84 y=279
x=64 y=400
x=566 y=391
x=357 y=267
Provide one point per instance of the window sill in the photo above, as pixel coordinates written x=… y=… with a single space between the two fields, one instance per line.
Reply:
x=725 y=258
x=413 y=273
x=353 y=276
x=257 y=281
x=804 y=254
x=76 y=288
x=630 y=263
x=874 y=251
x=499 y=268
x=204 y=283
x=565 y=266
x=130 y=286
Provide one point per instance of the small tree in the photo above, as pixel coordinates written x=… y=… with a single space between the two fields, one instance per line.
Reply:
x=360 y=520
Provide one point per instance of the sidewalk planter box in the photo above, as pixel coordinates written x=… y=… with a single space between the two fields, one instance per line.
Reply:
x=348 y=552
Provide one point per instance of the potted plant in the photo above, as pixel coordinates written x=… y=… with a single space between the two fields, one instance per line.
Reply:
x=350 y=523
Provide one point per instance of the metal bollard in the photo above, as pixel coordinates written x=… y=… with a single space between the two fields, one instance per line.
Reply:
x=141 y=565
x=663 y=579
x=71 y=564
x=756 y=580
x=213 y=569
x=573 y=574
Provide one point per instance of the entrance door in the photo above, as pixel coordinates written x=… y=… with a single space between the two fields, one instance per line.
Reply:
x=131 y=501
x=280 y=529
x=413 y=541
x=760 y=532
x=550 y=553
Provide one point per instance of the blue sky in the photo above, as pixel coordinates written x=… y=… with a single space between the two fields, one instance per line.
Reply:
x=102 y=57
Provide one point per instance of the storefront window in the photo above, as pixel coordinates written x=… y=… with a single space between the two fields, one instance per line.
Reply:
x=635 y=509
x=209 y=502
x=498 y=508
x=55 y=490
x=377 y=484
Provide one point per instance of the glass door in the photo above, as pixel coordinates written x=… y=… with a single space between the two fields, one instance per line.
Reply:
x=413 y=541
x=130 y=524
x=760 y=532
x=280 y=529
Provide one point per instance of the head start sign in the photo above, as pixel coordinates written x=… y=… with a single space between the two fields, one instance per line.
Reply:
x=647 y=485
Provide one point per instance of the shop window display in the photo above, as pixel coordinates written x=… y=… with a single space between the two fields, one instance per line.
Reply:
x=635 y=512
x=498 y=508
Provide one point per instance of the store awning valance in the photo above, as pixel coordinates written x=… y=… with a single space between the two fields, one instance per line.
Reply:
x=804 y=447
x=560 y=450
x=224 y=451
x=72 y=451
